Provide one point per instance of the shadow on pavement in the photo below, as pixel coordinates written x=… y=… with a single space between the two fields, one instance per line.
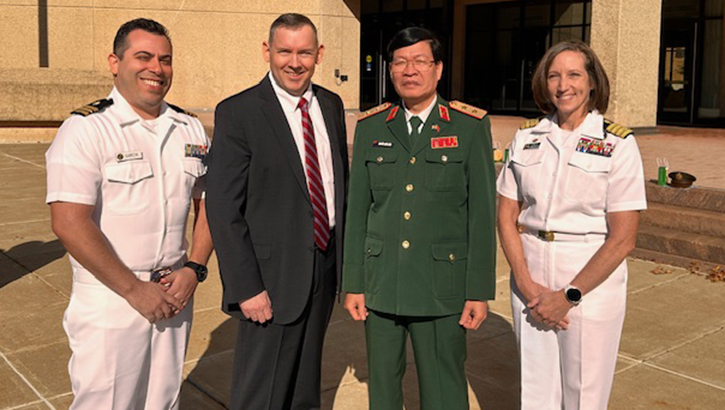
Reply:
x=31 y=256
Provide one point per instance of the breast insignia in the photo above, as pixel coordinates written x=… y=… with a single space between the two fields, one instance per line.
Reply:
x=474 y=112
x=94 y=107
x=530 y=123
x=616 y=129
x=377 y=110
x=181 y=110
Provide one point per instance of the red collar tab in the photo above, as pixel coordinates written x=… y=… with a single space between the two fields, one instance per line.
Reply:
x=392 y=113
x=443 y=111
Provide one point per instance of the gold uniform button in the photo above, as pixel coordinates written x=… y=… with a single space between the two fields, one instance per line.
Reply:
x=451 y=257
x=409 y=187
x=406 y=215
x=412 y=160
x=444 y=158
x=406 y=244
x=380 y=159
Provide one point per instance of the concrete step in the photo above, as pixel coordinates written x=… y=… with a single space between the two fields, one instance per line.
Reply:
x=684 y=244
x=684 y=219
x=708 y=199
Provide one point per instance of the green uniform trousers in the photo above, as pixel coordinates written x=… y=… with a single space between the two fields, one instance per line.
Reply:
x=439 y=347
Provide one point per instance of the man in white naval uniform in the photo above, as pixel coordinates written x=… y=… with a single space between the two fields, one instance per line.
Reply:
x=122 y=175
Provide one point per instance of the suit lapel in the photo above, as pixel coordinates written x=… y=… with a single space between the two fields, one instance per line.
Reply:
x=272 y=109
x=396 y=124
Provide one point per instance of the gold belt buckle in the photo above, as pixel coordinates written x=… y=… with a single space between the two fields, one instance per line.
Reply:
x=548 y=236
x=160 y=273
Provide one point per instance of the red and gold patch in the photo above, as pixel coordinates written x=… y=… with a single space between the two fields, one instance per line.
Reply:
x=444 y=142
x=443 y=111
x=393 y=113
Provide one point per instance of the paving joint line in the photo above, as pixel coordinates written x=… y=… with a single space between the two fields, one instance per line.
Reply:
x=656 y=285
x=24 y=379
x=24 y=222
x=684 y=376
x=685 y=343
x=24 y=160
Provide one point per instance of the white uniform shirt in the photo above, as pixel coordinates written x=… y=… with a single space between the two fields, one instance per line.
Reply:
x=563 y=187
x=423 y=115
x=289 y=104
x=139 y=175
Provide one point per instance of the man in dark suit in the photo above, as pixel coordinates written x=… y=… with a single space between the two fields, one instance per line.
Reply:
x=276 y=202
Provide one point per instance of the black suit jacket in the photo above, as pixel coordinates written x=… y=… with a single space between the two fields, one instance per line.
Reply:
x=258 y=203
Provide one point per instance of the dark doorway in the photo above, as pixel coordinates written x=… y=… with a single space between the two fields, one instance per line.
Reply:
x=381 y=19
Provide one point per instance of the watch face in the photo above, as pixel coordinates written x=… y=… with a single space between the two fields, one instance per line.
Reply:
x=573 y=294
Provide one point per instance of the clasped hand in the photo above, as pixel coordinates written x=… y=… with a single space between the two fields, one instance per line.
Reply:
x=550 y=308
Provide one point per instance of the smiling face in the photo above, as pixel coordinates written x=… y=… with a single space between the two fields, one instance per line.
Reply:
x=569 y=86
x=292 y=56
x=416 y=83
x=143 y=73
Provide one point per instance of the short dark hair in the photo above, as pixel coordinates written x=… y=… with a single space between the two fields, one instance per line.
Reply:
x=154 y=27
x=599 y=96
x=411 y=35
x=292 y=21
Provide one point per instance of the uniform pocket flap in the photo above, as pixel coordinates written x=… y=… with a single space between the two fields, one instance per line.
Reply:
x=373 y=246
x=528 y=157
x=194 y=167
x=450 y=252
x=590 y=163
x=384 y=157
x=129 y=172
x=443 y=157
x=262 y=251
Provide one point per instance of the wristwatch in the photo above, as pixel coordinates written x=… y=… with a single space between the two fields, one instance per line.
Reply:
x=200 y=270
x=573 y=294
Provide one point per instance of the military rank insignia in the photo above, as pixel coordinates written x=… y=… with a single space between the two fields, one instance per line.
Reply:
x=196 y=151
x=595 y=147
x=382 y=144
x=444 y=142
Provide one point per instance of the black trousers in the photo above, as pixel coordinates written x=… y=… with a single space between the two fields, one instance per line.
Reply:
x=279 y=366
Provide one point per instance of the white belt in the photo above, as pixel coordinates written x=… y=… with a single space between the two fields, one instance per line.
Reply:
x=551 y=236
x=82 y=275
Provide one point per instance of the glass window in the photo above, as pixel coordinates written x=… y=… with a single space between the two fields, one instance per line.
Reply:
x=569 y=14
x=509 y=16
x=370 y=7
x=566 y=33
x=392 y=5
x=416 y=5
x=436 y=3
x=537 y=15
x=713 y=8
x=711 y=84
x=680 y=8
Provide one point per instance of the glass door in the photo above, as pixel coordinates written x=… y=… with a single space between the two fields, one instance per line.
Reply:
x=677 y=65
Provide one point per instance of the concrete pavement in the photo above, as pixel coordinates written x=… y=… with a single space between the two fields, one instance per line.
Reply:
x=671 y=356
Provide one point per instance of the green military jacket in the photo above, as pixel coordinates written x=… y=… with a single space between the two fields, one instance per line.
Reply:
x=420 y=236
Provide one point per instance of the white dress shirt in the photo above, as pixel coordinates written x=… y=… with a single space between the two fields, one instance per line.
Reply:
x=289 y=104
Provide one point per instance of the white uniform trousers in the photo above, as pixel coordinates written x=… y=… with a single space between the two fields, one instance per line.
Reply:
x=119 y=360
x=571 y=369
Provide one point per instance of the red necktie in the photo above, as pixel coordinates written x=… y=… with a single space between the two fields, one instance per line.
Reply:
x=314 y=179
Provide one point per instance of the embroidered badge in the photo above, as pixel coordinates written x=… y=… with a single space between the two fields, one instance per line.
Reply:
x=128 y=156
x=435 y=127
x=383 y=144
x=196 y=151
x=444 y=142
x=595 y=147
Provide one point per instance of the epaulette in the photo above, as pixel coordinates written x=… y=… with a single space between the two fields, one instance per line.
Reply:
x=181 y=110
x=474 y=112
x=530 y=123
x=94 y=107
x=616 y=129
x=369 y=113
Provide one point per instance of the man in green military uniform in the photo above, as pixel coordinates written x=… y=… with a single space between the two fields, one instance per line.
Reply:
x=419 y=244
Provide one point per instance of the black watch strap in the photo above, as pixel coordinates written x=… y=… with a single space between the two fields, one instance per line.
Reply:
x=200 y=270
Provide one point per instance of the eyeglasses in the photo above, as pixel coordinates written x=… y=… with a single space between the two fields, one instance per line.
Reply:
x=398 y=66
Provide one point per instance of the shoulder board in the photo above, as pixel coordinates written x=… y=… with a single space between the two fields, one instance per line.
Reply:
x=530 y=123
x=181 y=110
x=474 y=112
x=616 y=129
x=94 y=107
x=377 y=110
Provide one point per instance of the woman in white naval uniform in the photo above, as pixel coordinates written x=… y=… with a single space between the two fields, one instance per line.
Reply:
x=568 y=214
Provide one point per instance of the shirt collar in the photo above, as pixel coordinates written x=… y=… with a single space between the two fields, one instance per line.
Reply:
x=127 y=116
x=423 y=115
x=288 y=101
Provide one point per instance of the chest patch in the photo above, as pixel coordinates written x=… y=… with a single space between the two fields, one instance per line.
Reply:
x=532 y=145
x=196 y=151
x=444 y=142
x=129 y=156
x=595 y=147
x=383 y=144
